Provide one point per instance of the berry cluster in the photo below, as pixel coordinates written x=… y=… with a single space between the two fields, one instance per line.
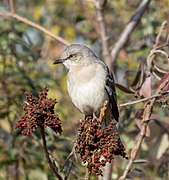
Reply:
x=39 y=112
x=97 y=145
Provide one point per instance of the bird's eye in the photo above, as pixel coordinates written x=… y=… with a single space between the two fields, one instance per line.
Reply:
x=71 y=55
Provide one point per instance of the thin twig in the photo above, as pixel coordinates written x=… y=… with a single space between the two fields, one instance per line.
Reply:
x=159 y=69
x=144 y=99
x=51 y=163
x=132 y=24
x=103 y=34
x=154 y=51
x=156 y=76
x=162 y=46
x=161 y=52
x=35 y=25
x=69 y=157
x=162 y=28
x=69 y=168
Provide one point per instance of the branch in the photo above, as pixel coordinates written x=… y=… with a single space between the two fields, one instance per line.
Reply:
x=148 y=107
x=146 y=116
x=12 y=10
x=103 y=33
x=51 y=163
x=33 y=24
x=144 y=99
x=132 y=24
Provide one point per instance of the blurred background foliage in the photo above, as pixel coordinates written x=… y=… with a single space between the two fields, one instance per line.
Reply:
x=26 y=57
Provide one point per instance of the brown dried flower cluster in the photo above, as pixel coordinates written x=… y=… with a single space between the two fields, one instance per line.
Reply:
x=97 y=145
x=39 y=112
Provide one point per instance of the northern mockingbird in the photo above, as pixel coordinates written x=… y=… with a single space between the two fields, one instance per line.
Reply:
x=89 y=82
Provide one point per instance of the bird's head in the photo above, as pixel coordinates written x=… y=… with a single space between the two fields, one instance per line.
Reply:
x=76 y=54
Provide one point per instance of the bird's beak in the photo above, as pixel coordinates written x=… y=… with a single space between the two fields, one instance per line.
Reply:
x=58 y=61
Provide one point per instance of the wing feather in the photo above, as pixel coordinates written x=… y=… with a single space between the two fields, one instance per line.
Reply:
x=110 y=89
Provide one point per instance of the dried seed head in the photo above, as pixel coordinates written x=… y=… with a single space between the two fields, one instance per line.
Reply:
x=97 y=145
x=39 y=112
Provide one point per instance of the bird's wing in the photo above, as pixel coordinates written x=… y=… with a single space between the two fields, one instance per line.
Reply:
x=110 y=89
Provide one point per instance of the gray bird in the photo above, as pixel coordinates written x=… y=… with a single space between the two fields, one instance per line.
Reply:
x=89 y=82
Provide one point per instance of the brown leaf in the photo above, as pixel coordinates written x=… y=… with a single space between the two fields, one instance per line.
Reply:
x=145 y=89
x=138 y=81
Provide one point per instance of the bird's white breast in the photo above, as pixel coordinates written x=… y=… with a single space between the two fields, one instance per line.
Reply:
x=86 y=87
